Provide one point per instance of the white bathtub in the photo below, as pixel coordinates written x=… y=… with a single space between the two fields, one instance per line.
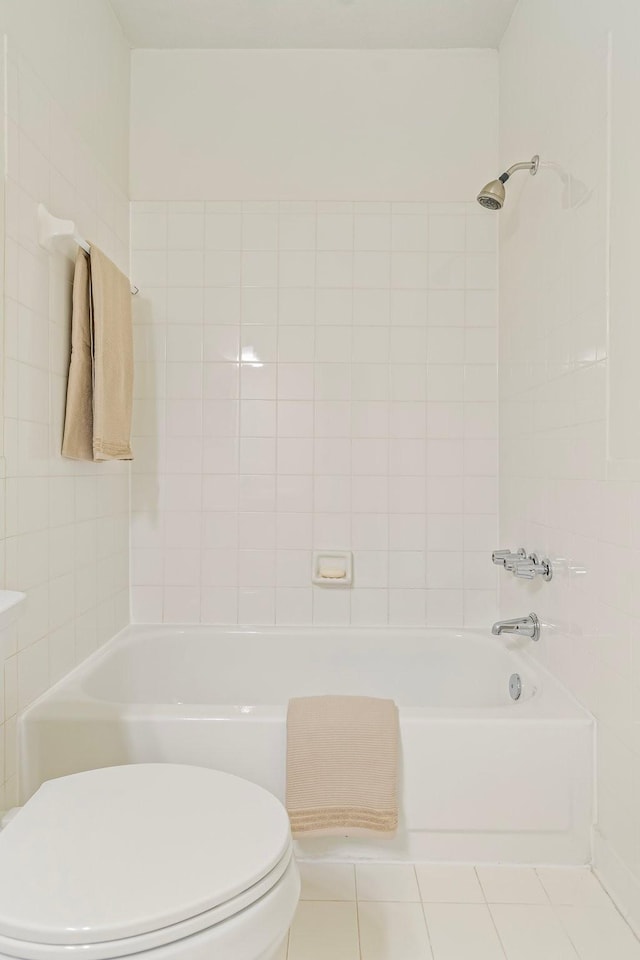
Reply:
x=483 y=778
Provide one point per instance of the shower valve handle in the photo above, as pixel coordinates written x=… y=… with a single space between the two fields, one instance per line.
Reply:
x=508 y=559
x=531 y=567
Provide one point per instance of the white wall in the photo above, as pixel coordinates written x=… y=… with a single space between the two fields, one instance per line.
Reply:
x=64 y=536
x=565 y=96
x=78 y=51
x=312 y=124
x=316 y=335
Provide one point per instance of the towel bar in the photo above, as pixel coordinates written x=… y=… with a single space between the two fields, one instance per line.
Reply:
x=52 y=228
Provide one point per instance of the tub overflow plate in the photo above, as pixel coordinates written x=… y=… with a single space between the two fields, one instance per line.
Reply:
x=515 y=686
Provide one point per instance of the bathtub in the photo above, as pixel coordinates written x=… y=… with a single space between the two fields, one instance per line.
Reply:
x=483 y=777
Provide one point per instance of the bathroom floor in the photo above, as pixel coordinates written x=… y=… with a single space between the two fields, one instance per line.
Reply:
x=402 y=912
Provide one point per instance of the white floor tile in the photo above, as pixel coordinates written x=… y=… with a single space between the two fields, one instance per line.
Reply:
x=599 y=933
x=546 y=913
x=573 y=886
x=324 y=930
x=533 y=932
x=387 y=881
x=461 y=930
x=511 y=885
x=392 y=931
x=327 y=881
x=448 y=884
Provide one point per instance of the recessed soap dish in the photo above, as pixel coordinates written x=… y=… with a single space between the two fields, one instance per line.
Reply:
x=332 y=568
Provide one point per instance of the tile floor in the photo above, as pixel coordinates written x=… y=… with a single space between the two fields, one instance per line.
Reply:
x=402 y=912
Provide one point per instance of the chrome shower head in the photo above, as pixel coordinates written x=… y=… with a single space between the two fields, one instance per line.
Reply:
x=493 y=194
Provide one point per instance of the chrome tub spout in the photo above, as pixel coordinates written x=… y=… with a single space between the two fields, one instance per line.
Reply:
x=521 y=626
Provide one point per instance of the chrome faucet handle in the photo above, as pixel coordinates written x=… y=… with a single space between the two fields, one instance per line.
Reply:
x=499 y=556
x=531 y=567
x=525 y=570
x=507 y=559
x=511 y=562
x=514 y=559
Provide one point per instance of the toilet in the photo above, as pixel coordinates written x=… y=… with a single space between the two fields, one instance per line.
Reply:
x=165 y=860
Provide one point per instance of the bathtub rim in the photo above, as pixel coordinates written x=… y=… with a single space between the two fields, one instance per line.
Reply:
x=551 y=701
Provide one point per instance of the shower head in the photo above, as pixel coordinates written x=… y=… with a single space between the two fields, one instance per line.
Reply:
x=493 y=194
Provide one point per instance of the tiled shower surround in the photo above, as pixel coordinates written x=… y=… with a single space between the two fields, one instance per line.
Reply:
x=564 y=490
x=65 y=531
x=312 y=376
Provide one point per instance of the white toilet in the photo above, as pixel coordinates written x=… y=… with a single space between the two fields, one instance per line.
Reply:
x=167 y=860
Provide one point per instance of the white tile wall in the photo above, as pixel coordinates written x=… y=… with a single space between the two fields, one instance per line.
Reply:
x=314 y=375
x=559 y=496
x=64 y=536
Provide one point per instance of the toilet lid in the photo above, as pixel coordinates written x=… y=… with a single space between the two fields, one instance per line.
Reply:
x=123 y=851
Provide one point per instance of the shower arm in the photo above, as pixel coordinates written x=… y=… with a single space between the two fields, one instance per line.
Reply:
x=530 y=165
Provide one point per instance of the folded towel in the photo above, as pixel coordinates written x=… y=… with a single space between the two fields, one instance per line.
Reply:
x=342 y=765
x=100 y=387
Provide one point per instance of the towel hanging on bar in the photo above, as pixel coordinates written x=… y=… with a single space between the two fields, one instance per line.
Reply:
x=100 y=387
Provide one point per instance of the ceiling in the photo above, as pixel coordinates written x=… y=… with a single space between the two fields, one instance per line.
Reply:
x=345 y=24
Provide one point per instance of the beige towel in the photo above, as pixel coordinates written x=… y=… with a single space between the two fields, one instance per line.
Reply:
x=100 y=388
x=342 y=765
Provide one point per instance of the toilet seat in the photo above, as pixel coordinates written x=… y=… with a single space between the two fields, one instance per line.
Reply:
x=116 y=861
x=129 y=946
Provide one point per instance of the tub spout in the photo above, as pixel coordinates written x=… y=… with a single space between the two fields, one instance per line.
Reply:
x=521 y=626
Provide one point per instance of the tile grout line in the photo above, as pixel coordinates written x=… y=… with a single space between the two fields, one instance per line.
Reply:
x=314 y=594
x=277 y=512
x=490 y=912
x=612 y=902
x=556 y=915
x=239 y=417
x=201 y=548
x=357 y=903
x=554 y=908
x=424 y=915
